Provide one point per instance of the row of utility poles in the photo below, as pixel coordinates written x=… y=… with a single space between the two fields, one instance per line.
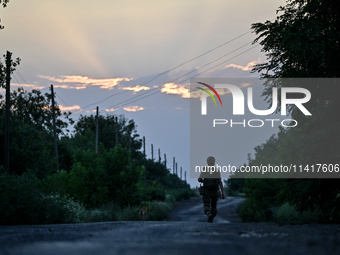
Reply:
x=174 y=168
x=55 y=137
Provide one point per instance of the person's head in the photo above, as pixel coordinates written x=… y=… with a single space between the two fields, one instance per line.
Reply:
x=211 y=161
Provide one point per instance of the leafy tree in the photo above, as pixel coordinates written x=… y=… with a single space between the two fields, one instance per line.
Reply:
x=123 y=175
x=97 y=178
x=35 y=109
x=31 y=145
x=4 y=4
x=301 y=42
x=127 y=133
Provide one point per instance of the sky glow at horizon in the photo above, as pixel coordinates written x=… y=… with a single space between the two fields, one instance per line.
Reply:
x=91 y=51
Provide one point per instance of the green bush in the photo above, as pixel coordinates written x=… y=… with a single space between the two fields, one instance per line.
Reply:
x=159 y=210
x=287 y=214
x=112 y=212
x=170 y=199
x=181 y=194
x=128 y=213
x=76 y=212
x=250 y=211
x=23 y=202
x=261 y=195
x=107 y=212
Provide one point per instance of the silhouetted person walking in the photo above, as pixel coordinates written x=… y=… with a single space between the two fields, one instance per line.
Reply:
x=211 y=183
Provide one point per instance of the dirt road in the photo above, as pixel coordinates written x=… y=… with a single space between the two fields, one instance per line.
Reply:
x=186 y=232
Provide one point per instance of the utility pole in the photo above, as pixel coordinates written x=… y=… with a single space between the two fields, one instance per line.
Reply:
x=173 y=166
x=116 y=131
x=54 y=131
x=144 y=147
x=165 y=160
x=185 y=176
x=159 y=156
x=8 y=106
x=176 y=169
x=181 y=173
x=152 y=152
x=97 y=130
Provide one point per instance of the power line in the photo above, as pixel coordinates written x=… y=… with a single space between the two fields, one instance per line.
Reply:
x=125 y=103
x=212 y=61
x=188 y=72
x=134 y=98
x=221 y=63
x=61 y=99
x=105 y=99
x=21 y=76
x=217 y=47
x=15 y=79
x=205 y=53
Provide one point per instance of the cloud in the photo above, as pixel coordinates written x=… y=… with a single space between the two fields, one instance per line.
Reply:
x=25 y=85
x=221 y=92
x=172 y=88
x=133 y=108
x=248 y=67
x=69 y=108
x=110 y=110
x=198 y=93
x=70 y=87
x=84 y=81
x=243 y=85
x=136 y=88
x=91 y=111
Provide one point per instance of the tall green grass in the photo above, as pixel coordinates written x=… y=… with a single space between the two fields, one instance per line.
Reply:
x=287 y=214
x=22 y=201
x=283 y=214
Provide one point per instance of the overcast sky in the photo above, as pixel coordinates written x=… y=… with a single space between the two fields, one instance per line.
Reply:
x=91 y=50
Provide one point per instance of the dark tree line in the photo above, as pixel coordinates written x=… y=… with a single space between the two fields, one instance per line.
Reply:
x=302 y=42
x=118 y=173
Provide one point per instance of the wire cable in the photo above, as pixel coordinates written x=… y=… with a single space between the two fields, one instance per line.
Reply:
x=127 y=101
x=61 y=99
x=15 y=78
x=205 y=53
x=21 y=77
x=105 y=99
x=167 y=71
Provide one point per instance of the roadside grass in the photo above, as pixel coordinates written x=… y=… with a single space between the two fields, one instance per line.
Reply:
x=287 y=214
x=181 y=194
x=22 y=201
x=157 y=211
x=283 y=214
